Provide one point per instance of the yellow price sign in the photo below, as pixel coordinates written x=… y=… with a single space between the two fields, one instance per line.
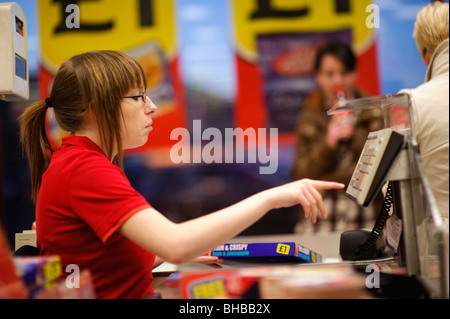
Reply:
x=209 y=289
x=256 y=17
x=283 y=249
x=71 y=27
x=52 y=270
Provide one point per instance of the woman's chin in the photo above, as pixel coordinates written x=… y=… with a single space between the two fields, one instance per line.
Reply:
x=136 y=145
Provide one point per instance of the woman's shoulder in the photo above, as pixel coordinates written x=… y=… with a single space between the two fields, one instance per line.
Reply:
x=80 y=155
x=314 y=100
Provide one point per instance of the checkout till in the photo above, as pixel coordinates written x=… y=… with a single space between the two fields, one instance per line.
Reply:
x=405 y=255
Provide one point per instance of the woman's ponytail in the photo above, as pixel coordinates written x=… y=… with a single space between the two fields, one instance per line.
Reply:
x=35 y=143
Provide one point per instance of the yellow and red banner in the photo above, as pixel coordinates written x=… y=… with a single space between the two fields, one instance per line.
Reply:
x=274 y=42
x=145 y=29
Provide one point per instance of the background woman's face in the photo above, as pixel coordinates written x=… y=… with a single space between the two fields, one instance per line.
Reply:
x=332 y=75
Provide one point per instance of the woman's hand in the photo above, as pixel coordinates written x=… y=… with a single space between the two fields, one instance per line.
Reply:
x=305 y=192
x=205 y=259
x=341 y=127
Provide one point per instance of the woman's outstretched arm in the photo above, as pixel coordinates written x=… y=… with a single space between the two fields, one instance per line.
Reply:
x=178 y=243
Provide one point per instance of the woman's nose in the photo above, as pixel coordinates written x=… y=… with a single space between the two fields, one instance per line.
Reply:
x=150 y=107
x=338 y=80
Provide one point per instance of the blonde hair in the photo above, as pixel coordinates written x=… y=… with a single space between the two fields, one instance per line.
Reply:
x=94 y=81
x=431 y=26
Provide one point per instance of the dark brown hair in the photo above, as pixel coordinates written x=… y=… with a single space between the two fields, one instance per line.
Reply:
x=93 y=81
x=340 y=51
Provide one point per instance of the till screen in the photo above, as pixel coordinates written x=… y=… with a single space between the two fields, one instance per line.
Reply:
x=21 y=68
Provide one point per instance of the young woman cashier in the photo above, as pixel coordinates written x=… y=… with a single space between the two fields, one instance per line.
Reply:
x=86 y=210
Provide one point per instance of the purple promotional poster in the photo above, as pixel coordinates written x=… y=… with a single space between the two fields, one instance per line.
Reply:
x=286 y=62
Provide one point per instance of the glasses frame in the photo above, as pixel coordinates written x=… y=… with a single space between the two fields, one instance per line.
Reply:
x=143 y=96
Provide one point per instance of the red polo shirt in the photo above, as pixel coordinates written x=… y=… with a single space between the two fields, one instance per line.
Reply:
x=83 y=200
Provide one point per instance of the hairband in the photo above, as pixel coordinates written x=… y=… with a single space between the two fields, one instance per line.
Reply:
x=47 y=102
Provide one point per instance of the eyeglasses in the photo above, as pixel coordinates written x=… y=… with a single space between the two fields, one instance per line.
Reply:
x=143 y=96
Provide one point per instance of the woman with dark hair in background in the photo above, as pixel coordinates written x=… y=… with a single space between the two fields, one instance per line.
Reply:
x=328 y=147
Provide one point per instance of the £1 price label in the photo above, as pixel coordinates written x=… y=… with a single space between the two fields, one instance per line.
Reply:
x=283 y=249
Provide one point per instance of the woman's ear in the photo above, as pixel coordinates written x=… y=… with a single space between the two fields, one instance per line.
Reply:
x=87 y=114
x=425 y=57
x=86 y=108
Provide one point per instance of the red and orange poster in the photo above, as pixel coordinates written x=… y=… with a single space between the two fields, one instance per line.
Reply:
x=144 y=29
x=275 y=42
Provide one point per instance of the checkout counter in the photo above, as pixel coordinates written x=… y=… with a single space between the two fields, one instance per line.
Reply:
x=411 y=263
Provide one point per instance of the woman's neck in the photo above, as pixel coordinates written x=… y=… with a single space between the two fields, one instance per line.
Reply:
x=94 y=136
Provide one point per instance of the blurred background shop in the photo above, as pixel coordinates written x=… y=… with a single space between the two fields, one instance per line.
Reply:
x=229 y=63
